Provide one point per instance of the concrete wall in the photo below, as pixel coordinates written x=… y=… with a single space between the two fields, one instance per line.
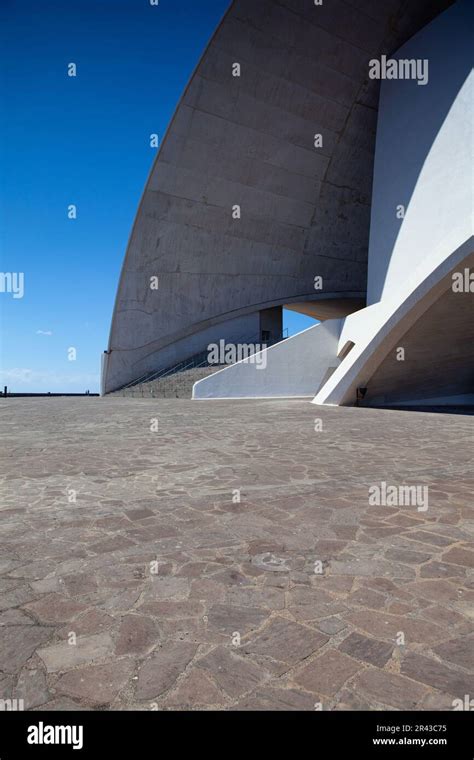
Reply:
x=249 y=141
x=240 y=329
x=271 y=324
x=437 y=360
x=295 y=367
x=424 y=162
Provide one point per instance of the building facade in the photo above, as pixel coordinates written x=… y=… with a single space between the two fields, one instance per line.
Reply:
x=320 y=159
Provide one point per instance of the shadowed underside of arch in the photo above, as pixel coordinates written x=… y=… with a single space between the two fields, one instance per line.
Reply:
x=248 y=141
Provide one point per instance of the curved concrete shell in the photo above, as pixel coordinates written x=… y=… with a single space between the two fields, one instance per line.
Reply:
x=263 y=181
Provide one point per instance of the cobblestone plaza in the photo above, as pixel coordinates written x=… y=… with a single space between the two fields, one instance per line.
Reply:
x=160 y=554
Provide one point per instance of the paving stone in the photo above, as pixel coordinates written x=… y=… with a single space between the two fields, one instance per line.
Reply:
x=465 y=608
x=368 y=650
x=348 y=699
x=80 y=583
x=277 y=581
x=459 y=651
x=160 y=671
x=227 y=618
x=300 y=578
x=405 y=555
x=174 y=610
x=329 y=549
x=32 y=688
x=438 y=701
x=231 y=576
x=17 y=644
x=137 y=635
x=331 y=625
x=116 y=543
x=439 y=591
x=367 y=567
x=188 y=629
x=430 y=538
x=286 y=641
x=144 y=535
x=271 y=598
x=327 y=673
x=365 y=597
x=33 y=570
x=208 y=589
x=388 y=626
x=87 y=649
x=168 y=587
x=196 y=690
x=403 y=520
x=97 y=684
x=447 y=617
x=63 y=704
x=382 y=584
x=313 y=603
x=278 y=699
x=194 y=569
x=459 y=556
x=47 y=585
x=441 y=570
x=233 y=674
x=91 y=621
x=15 y=617
x=389 y=689
x=121 y=600
x=400 y=608
x=55 y=608
x=139 y=514
x=16 y=597
x=437 y=674
x=335 y=584
x=6 y=686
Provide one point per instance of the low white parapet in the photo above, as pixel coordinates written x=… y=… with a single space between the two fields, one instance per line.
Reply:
x=295 y=367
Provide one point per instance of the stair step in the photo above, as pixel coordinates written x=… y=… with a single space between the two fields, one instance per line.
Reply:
x=178 y=385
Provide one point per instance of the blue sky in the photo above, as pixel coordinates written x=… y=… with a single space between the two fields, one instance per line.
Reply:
x=82 y=141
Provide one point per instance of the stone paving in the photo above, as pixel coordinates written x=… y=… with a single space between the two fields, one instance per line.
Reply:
x=132 y=577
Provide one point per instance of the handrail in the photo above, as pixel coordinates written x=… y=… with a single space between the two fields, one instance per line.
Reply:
x=190 y=362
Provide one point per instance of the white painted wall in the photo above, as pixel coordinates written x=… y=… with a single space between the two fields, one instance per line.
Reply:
x=294 y=367
x=423 y=160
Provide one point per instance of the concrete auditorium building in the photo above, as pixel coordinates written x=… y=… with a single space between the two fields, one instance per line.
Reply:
x=321 y=160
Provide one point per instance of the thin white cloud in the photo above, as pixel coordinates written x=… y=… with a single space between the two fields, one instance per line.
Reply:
x=44 y=332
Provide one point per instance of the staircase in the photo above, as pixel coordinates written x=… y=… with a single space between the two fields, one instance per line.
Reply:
x=177 y=385
x=178 y=381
